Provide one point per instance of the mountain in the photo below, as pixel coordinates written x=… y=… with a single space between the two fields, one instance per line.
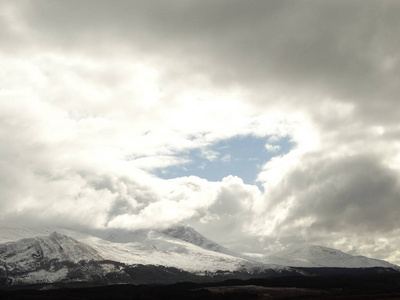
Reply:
x=318 y=256
x=152 y=247
x=188 y=234
x=52 y=258
x=303 y=256
x=54 y=246
x=36 y=255
x=121 y=256
x=10 y=234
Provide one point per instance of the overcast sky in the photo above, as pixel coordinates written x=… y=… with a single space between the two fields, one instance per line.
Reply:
x=262 y=124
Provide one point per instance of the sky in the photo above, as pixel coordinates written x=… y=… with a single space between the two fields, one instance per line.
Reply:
x=241 y=156
x=262 y=124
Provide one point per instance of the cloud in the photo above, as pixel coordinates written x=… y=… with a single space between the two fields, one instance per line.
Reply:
x=229 y=214
x=341 y=194
x=226 y=158
x=297 y=46
x=272 y=148
x=209 y=154
x=96 y=95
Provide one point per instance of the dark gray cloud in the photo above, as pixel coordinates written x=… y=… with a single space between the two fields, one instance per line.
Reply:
x=347 y=193
x=325 y=199
x=344 y=49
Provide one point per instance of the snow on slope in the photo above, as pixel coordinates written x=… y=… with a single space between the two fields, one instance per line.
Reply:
x=318 y=256
x=53 y=246
x=10 y=234
x=146 y=247
x=50 y=258
x=305 y=256
x=188 y=234
x=157 y=248
x=180 y=247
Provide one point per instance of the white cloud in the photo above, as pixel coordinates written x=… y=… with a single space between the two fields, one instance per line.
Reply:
x=226 y=158
x=272 y=148
x=92 y=100
x=209 y=154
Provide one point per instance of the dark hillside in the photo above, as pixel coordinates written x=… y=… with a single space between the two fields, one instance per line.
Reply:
x=363 y=286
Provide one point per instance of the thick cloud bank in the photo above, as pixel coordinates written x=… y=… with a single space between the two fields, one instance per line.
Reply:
x=97 y=95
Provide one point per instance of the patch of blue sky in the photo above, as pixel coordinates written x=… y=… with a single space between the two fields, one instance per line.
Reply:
x=241 y=156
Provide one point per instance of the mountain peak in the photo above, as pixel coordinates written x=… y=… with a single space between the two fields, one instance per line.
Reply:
x=181 y=231
x=57 y=236
x=190 y=235
x=315 y=251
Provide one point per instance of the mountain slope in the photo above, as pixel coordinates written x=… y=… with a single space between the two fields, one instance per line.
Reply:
x=60 y=258
x=318 y=256
x=188 y=234
x=54 y=246
x=40 y=255
x=52 y=258
x=146 y=247
x=11 y=234
x=304 y=256
x=149 y=247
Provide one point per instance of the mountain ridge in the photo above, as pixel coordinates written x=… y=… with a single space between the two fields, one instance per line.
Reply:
x=320 y=256
x=30 y=255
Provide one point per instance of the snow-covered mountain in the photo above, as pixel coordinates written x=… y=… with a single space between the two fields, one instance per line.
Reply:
x=152 y=247
x=51 y=258
x=60 y=255
x=37 y=255
x=53 y=246
x=318 y=256
x=303 y=256
x=10 y=234
x=188 y=234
